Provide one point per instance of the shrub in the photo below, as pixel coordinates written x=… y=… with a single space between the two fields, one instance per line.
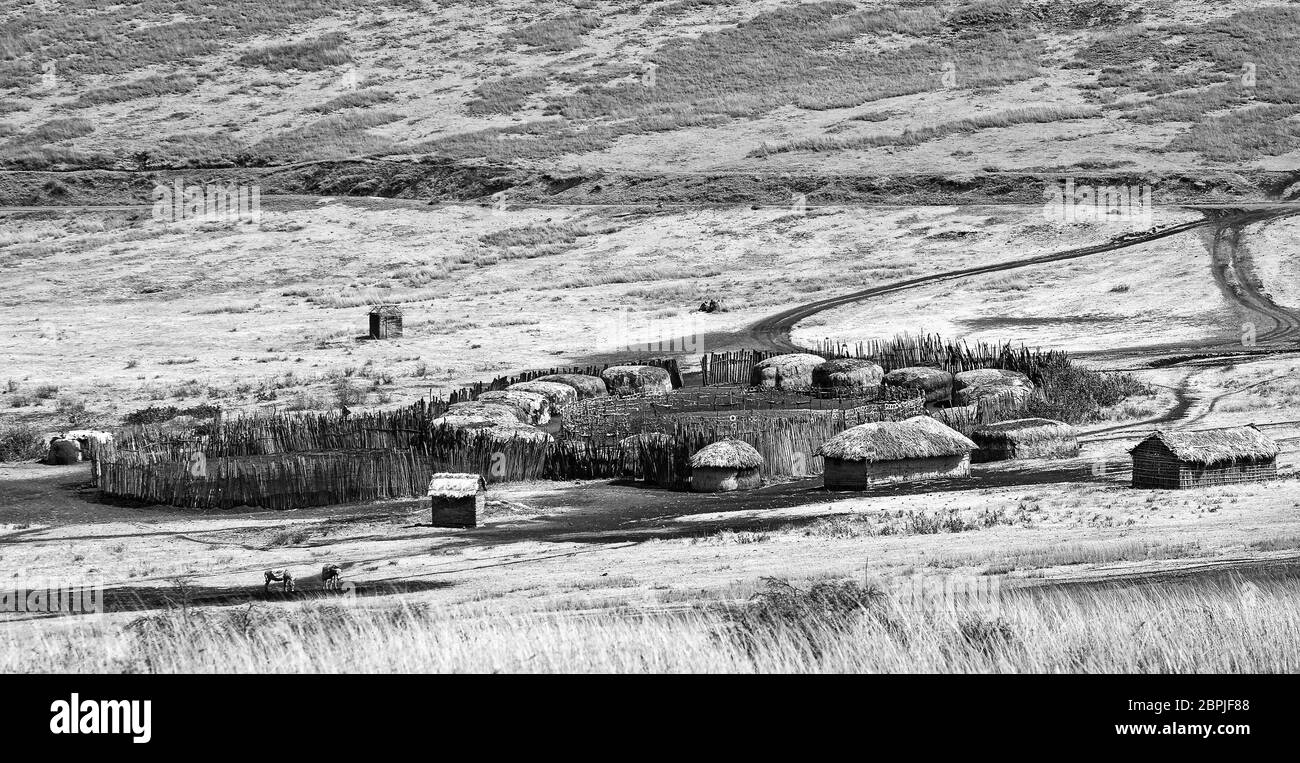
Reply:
x=20 y=442
x=353 y=100
x=158 y=414
x=306 y=55
x=813 y=616
x=71 y=408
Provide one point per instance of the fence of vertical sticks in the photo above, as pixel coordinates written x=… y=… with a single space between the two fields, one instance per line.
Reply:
x=931 y=350
x=292 y=461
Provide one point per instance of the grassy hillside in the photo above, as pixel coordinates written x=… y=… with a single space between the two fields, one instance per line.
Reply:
x=690 y=85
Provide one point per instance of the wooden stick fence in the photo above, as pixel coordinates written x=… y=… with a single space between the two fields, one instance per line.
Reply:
x=902 y=351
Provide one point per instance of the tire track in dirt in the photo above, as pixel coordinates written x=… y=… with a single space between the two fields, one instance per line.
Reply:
x=773 y=332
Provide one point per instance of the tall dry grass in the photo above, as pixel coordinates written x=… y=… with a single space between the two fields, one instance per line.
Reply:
x=1179 y=628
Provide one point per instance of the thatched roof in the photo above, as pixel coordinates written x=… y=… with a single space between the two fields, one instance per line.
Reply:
x=920 y=377
x=993 y=392
x=638 y=379
x=516 y=431
x=1026 y=431
x=455 y=485
x=466 y=420
x=791 y=362
x=847 y=372
x=637 y=372
x=485 y=409
x=988 y=376
x=917 y=437
x=386 y=310
x=1216 y=446
x=792 y=371
x=985 y=383
x=529 y=406
x=587 y=386
x=558 y=394
x=727 y=454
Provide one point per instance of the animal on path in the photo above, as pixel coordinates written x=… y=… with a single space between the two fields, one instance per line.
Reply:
x=331 y=576
x=284 y=577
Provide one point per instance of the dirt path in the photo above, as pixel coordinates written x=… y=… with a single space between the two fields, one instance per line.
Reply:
x=773 y=332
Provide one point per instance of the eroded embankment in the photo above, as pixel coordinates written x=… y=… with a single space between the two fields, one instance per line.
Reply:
x=444 y=181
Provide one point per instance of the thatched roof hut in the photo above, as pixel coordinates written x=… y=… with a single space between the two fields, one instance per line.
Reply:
x=917 y=448
x=851 y=373
x=531 y=407
x=724 y=466
x=516 y=431
x=792 y=371
x=981 y=384
x=586 y=386
x=1025 y=438
x=482 y=409
x=456 y=499
x=63 y=452
x=556 y=393
x=936 y=384
x=648 y=380
x=455 y=485
x=1176 y=460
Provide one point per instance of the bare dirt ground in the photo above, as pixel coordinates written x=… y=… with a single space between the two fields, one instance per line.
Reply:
x=597 y=544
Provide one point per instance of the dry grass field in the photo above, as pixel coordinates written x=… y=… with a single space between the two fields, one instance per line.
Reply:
x=262 y=316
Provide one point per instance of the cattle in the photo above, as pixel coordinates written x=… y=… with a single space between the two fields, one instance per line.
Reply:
x=283 y=576
x=331 y=576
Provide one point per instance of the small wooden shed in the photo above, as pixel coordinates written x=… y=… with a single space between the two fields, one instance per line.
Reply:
x=385 y=322
x=1179 y=460
x=456 y=499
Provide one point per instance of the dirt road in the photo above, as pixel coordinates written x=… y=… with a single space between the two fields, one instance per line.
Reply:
x=773 y=332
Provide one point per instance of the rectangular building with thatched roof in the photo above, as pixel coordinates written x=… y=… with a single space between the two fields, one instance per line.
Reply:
x=1025 y=438
x=456 y=499
x=385 y=322
x=915 y=449
x=1177 y=460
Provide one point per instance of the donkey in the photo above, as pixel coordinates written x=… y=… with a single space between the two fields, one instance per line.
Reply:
x=282 y=576
x=331 y=576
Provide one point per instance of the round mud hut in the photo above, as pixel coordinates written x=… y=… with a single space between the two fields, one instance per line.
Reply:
x=1025 y=438
x=855 y=374
x=64 y=452
x=586 y=386
x=793 y=371
x=503 y=433
x=631 y=380
x=991 y=384
x=557 y=394
x=936 y=384
x=530 y=407
x=918 y=448
x=482 y=411
x=724 y=466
